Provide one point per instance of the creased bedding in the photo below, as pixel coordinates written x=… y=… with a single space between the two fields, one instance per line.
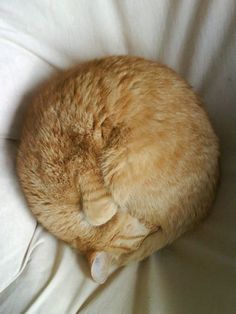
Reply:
x=39 y=274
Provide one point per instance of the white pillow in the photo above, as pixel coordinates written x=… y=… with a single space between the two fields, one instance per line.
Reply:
x=194 y=37
x=37 y=37
x=16 y=222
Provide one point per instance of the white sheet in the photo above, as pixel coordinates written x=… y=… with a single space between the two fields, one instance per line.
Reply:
x=195 y=275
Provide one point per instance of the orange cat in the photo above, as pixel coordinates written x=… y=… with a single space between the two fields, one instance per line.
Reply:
x=118 y=159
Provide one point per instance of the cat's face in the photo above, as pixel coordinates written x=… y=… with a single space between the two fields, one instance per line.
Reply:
x=123 y=234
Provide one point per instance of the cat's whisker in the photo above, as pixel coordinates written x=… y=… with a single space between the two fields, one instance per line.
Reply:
x=120 y=248
x=136 y=237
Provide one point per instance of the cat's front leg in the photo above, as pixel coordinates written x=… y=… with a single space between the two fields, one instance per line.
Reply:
x=98 y=205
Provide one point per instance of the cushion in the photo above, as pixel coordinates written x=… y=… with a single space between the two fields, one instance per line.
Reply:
x=39 y=274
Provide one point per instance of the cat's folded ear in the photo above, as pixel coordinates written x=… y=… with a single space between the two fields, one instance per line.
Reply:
x=99 y=266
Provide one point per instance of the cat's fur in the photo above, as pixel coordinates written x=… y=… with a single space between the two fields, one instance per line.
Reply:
x=118 y=159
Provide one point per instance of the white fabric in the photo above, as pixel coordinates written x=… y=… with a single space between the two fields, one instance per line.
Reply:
x=38 y=274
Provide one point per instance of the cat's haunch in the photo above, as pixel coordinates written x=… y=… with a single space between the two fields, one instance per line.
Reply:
x=118 y=159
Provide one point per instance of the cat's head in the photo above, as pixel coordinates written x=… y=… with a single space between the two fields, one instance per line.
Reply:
x=104 y=244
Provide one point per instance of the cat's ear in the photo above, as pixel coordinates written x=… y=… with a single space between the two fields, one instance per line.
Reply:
x=100 y=264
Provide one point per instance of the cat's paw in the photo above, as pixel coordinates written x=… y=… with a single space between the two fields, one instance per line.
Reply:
x=100 y=212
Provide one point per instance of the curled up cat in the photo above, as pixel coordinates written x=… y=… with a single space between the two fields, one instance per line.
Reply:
x=118 y=159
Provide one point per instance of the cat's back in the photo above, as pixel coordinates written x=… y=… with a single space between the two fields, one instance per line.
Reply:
x=142 y=103
x=114 y=84
x=108 y=93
